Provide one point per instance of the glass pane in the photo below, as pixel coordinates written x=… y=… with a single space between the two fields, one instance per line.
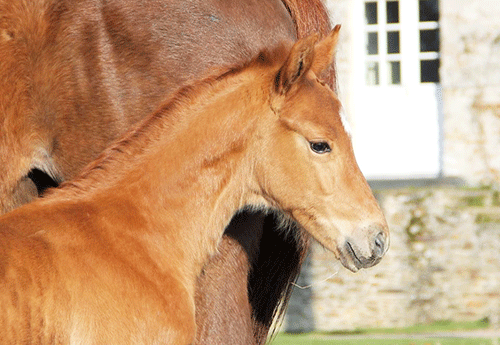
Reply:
x=372 y=46
x=429 y=71
x=395 y=72
x=371 y=12
x=372 y=73
x=392 y=12
x=428 y=10
x=429 y=40
x=393 y=42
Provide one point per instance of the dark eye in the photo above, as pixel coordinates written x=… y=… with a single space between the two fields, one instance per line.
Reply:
x=320 y=147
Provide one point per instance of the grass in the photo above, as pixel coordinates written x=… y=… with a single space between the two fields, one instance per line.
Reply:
x=438 y=326
x=316 y=339
x=395 y=336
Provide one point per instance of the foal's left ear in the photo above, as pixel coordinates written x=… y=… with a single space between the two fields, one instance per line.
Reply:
x=297 y=64
x=324 y=51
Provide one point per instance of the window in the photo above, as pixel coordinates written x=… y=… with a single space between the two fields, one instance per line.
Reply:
x=395 y=95
x=383 y=42
x=383 y=25
x=429 y=40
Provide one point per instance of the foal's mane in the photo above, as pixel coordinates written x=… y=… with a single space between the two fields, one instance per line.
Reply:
x=272 y=267
x=159 y=124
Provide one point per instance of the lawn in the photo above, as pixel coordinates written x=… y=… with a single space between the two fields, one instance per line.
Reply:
x=317 y=339
x=393 y=336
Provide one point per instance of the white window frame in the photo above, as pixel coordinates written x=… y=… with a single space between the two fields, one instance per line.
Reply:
x=409 y=28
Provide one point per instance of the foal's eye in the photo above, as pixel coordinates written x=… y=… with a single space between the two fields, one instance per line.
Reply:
x=320 y=147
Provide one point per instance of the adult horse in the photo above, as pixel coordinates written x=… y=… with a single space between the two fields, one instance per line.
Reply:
x=76 y=74
x=113 y=256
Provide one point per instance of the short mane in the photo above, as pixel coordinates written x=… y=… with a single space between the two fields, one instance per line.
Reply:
x=269 y=285
x=159 y=123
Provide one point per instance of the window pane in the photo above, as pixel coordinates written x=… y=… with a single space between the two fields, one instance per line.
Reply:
x=372 y=46
x=371 y=12
x=392 y=12
x=372 y=77
x=395 y=72
x=429 y=71
x=429 y=40
x=393 y=42
x=428 y=10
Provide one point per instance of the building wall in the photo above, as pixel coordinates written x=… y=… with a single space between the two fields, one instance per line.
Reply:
x=443 y=262
x=470 y=74
x=470 y=79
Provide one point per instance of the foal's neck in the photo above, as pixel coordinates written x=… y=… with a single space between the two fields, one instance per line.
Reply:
x=194 y=172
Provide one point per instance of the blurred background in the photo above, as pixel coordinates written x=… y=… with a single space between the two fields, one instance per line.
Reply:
x=420 y=82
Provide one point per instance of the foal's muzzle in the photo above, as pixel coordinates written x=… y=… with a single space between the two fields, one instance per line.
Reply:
x=355 y=255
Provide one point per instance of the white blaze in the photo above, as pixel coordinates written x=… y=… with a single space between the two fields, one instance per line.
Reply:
x=345 y=123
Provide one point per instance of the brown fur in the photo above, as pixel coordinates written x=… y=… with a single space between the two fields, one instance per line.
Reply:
x=113 y=256
x=76 y=74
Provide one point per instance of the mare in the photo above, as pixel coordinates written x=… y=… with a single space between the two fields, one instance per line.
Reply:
x=114 y=255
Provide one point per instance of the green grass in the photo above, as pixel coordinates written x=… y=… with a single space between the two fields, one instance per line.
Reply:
x=438 y=326
x=364 y=336
x=317 y=339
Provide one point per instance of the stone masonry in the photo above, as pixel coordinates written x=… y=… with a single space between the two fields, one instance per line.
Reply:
x=444 y=258
x=470 y=76
x=443 y=264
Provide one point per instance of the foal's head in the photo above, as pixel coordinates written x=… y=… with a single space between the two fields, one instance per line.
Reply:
x=307 y=166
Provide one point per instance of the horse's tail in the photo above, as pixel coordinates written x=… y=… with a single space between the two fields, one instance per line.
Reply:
x=281 y=253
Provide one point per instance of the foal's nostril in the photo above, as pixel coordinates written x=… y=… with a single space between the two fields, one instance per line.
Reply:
x=379 y=245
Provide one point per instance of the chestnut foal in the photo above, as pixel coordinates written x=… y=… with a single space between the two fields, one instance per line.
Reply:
x=113 y=257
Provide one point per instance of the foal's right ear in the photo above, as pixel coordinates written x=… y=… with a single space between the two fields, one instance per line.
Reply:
x=297 y=64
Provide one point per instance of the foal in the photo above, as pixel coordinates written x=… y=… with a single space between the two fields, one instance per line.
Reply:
x=75 y=75
x=113 y=257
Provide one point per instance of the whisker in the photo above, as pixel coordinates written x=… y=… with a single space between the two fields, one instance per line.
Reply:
x=316 y=283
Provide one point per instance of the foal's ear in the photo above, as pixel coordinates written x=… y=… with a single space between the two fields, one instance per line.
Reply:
x=297 y=64
x=324 y=51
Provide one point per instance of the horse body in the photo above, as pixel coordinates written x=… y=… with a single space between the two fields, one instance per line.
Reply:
x=114 y=256
x=66 y=283
x=76 y=74
x=82 y=72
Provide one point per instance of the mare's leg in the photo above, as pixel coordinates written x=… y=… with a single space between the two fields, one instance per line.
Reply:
x=223 y=310
x=22 y=193
x=22 y=149
x=20 y=186
x=15 y=187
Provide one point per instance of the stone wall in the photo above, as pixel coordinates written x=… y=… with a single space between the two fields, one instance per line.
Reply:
x=443 y=264
x=444 y=259
x=470 y=77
